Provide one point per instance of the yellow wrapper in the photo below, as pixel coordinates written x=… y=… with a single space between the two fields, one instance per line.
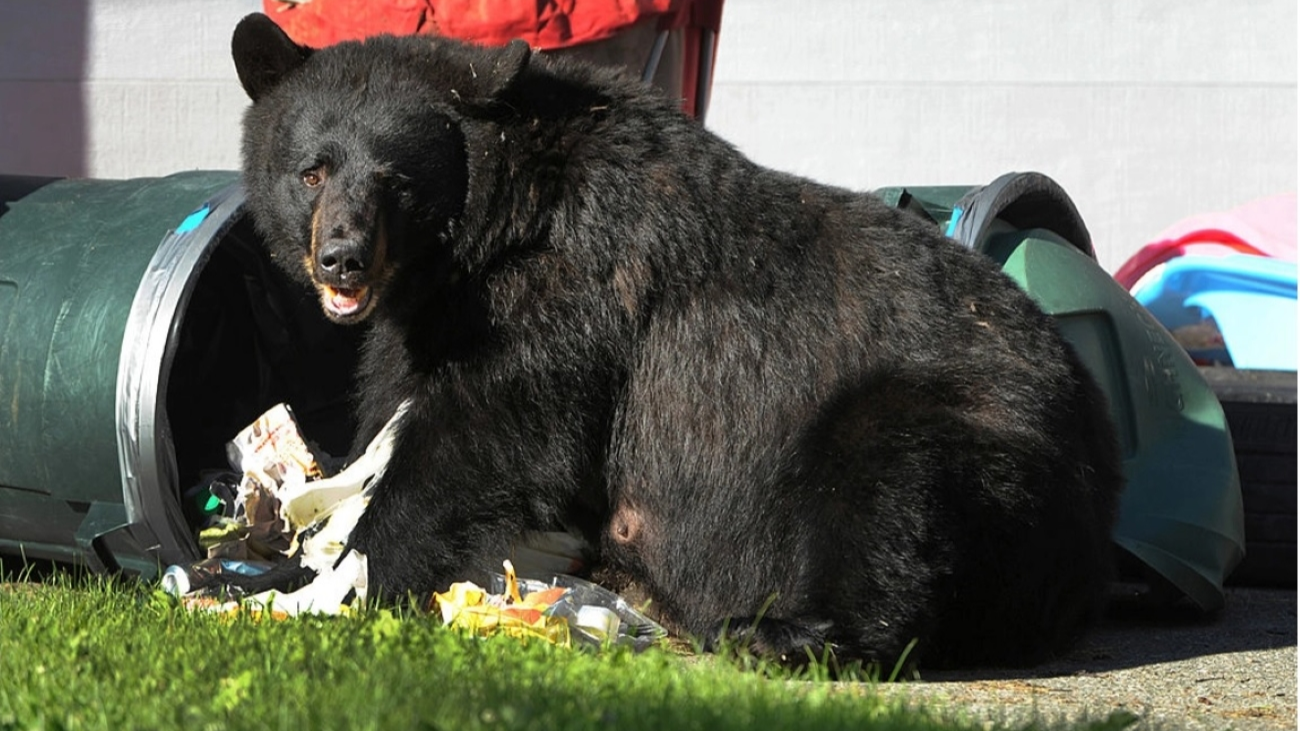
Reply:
x=466 y=606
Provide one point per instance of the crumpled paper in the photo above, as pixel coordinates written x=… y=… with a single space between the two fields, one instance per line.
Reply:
x=285 y=506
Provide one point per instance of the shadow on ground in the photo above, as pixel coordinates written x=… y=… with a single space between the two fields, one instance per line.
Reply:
x=1134 y=634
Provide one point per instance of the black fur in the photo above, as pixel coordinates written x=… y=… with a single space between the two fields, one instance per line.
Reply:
x=774 y=404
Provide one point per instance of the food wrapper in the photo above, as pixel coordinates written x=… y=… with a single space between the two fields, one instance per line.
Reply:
x=468 y=606
x=564 y=611
x=273 y=455
x=272 y=449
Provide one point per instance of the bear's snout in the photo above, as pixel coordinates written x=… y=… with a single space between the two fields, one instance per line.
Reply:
x=343 y=261
x=348 y=269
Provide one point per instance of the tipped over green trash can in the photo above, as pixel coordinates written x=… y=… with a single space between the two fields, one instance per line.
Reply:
x=1181 y=513
x=140 y=327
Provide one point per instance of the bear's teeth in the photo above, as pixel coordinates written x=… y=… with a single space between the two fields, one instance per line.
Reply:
x=346 y=301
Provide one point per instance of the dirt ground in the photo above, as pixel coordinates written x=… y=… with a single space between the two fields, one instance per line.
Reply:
x=1175 y=670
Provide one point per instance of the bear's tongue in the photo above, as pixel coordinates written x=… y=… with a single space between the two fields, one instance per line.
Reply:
x=346 y=301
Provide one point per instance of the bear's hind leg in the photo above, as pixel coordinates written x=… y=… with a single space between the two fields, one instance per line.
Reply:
x=792 y=642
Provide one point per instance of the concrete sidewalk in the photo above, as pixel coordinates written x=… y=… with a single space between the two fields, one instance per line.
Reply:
x=1234 y=670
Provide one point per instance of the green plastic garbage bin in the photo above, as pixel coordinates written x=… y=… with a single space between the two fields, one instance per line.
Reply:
x=1181 y=513
x=141 y=326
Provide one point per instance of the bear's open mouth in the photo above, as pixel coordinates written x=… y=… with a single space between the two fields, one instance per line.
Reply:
x=345 y=304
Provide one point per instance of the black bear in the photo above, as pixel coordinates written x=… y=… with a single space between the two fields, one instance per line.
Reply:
x=786 y=411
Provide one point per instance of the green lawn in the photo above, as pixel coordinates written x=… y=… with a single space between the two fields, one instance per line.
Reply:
x=91 y=653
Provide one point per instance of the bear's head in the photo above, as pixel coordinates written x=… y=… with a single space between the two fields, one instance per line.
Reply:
x=354 y=158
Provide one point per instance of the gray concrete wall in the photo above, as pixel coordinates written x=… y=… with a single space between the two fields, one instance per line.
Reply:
x=118 y=88
x=1144 y=110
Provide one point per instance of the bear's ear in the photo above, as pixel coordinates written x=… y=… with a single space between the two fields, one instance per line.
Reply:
x=263 y=54
x=508 y=65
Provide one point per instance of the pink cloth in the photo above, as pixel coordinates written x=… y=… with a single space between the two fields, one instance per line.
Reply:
x=1264 y=227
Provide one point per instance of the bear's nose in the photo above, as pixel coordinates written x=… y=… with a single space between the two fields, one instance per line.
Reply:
x=342 y=259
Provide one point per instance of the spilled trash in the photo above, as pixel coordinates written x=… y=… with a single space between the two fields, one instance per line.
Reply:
x=282 y=502
x=565 y=610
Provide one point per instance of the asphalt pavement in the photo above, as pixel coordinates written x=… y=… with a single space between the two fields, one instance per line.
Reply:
x=1235 y=669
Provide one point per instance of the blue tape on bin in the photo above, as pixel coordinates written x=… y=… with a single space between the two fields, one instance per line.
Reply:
x=193 y=220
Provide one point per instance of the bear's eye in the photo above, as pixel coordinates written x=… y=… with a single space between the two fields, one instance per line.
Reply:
x=312 y=177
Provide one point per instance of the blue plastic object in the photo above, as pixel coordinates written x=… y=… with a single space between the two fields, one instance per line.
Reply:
x=1250 y=299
